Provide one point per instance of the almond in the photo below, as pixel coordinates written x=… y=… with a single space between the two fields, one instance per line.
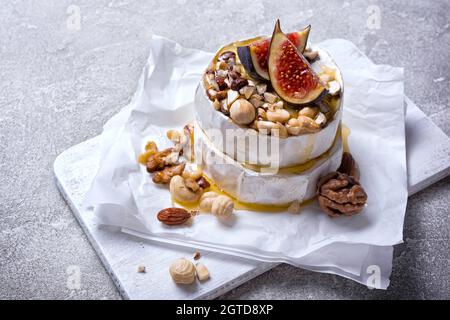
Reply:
x=173 y=216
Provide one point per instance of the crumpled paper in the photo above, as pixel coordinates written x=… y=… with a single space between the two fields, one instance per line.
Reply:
x=359 y=247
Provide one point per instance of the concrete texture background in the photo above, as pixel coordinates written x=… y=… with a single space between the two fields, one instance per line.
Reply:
x=59 y=85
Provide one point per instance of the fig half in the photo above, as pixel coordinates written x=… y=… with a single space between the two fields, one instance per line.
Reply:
x=290 y=74
x=254 y=57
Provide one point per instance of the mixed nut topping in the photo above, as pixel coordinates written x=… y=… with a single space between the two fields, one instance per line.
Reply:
x=254 y=103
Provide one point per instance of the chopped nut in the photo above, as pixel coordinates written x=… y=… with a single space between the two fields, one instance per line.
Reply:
x=165 y=175
x=262 y=114
x=232 y=97
x=227 y=55
x=279 y=105
x=222 y=73
x=334 y=87
x=234 y=74
x=222 y=65
x=221 y=95
x=269 y=97
x=195 y=175
x=141 y=269
x=323 y=107
x=321 y=119
x=238 y=83
x=151 y=146
x=294 y=207
x=196 y=255
x=203 y=183
x=221 y=83
x=216 y=105
x=255 y=100
x=279 y=130
x=212 y=94
x=191 y=184
x=173 y=135
x=156 y=161
x=261 y=88
x=247 y=91
x=202 y=272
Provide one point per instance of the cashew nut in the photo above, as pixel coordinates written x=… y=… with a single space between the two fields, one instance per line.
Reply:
x=222 y=206
x=182 y=271
x=242 y=112
x=206 y=201
x=302 y=125
x=309 y=112
x=264 y=127
x=278 y=115
x=181 y=192
x=279 y=130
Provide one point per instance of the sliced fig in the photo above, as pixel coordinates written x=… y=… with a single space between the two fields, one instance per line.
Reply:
x=290 y=74
x=254 y=56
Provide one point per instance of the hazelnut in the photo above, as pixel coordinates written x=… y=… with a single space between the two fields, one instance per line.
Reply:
x=242 y=112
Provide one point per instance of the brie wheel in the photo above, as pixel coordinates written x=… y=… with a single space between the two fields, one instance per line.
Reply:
x=291 y=151
x=264 y=187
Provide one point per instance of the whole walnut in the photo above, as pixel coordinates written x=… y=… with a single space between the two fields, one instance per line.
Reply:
x=340 y=193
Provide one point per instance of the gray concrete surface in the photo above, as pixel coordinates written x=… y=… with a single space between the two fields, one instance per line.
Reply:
x=59 y=85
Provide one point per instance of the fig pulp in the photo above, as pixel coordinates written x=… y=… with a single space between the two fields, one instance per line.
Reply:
x=254 y=57
x=290 y=74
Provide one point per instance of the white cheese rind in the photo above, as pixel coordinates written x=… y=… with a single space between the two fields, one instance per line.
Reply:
x=293 y=150
x=261 y=188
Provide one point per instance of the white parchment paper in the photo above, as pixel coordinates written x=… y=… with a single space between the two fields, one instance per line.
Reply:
x=122 y=193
